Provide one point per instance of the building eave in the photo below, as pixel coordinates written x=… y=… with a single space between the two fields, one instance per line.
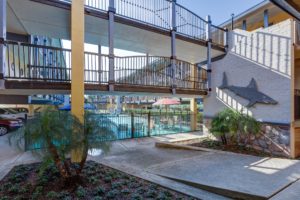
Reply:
x=247 y=12
x=288 y=8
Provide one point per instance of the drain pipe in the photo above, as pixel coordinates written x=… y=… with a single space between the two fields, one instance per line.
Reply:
x=209 y=42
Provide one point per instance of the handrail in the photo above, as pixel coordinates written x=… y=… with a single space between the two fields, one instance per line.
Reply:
x=52 y=64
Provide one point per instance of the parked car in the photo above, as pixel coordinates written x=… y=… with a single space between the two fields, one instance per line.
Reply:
x=20 y=110
x=12 y=114
x=7 y=125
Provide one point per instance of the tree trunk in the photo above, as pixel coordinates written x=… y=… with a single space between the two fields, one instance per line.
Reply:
x=83 y=160
x=64 y=170
x=224 y=140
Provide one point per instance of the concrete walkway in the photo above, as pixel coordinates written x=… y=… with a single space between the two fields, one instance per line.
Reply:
x=197 y=173
x=136 y=156
x=10 y=156
x=234 y=175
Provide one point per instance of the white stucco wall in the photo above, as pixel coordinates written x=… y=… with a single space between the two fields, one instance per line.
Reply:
x=265 y=55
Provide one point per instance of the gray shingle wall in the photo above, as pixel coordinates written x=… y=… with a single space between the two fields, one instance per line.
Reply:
x=265 y=55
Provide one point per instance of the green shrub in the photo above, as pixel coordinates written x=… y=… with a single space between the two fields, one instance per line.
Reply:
x=151 y=194
x=80 y=192
x=64 y=195
x=230 y=123
x=163 y=196
x=116 y=185
x=141 y=190
x=136 y=197
x=99 y=190
x=93 y=180
x=18 y=198
x=52 y=195
x=112 y=194
x=14 y=189
x=125 y=191
x=107 y=179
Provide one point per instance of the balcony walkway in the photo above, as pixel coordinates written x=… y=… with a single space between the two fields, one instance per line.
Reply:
x=139 y=25
x=36 y=69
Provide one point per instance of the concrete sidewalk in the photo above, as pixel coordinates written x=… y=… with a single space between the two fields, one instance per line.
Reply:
x=136 y=156
x=197 y=173
x=235 y=175
x=10 y=156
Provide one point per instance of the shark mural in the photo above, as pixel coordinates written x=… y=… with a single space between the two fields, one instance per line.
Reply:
x=250 y=92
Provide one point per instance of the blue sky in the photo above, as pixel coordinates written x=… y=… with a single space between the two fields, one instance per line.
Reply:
x=220 y=10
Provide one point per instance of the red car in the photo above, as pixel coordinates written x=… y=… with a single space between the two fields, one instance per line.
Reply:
x=7 y=125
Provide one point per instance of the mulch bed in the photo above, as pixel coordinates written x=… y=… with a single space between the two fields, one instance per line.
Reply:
x=98 y=182
x=217 y=145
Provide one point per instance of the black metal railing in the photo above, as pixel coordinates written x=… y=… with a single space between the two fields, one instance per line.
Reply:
x=29 y=61
x=190 y=24
x=134 y=125
x=44 y=63
x=157 y=13
x=153 y=12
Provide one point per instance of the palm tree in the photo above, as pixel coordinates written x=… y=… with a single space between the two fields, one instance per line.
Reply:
x=58 y=133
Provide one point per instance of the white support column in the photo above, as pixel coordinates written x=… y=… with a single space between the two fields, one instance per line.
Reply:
x=2 y=46
x=111 y=19
x=173 y=47
x=209 y=42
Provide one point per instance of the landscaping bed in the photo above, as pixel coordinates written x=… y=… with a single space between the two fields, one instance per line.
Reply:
x=235 y=148
x=98 y=182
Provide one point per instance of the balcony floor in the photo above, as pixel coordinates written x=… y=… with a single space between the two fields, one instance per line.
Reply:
x=14 y=87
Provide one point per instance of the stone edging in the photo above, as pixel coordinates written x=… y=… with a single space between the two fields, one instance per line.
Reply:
x=174 y=145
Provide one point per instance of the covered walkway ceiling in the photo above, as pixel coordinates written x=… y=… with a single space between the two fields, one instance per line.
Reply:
x=52 y=19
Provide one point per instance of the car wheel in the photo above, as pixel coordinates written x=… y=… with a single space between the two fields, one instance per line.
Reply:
x=3 y=130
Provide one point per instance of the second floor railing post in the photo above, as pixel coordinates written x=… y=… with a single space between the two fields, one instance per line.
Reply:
x=149 y=124
x=173 y=47
x=226 y=39
x=209 y=43
x=2 y=46
x=111 y=19
x=99 y=63
x=147 y=68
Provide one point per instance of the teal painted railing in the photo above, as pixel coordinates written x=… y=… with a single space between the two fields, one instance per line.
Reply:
x=128 y=126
